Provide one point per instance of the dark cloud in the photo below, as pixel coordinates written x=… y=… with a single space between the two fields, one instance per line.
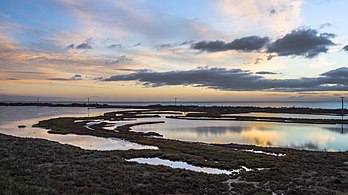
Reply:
x=115 y=46
x=87 y=44
x=98 y=78
x=71 y=46
x=272 y=12
x=76 y=77
x=340 y=73
x=59 y=79
x=73 y=78
x=266 y=72
x=119 y=60
x=84 y=46
x=304 y=42
x=128 y=69
x=247 y=44
x=345 y=48
x=237 y=80
x=11 y=79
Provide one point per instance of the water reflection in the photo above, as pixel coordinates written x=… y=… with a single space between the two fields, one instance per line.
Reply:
x=302 y=136
x=13 y=117
x=284 y=115
x=182 y=165
x=220 y=129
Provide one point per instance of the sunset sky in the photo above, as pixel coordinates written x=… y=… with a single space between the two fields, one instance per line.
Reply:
x=231 y=50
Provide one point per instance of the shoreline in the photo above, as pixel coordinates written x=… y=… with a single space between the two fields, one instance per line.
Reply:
x=183 y=108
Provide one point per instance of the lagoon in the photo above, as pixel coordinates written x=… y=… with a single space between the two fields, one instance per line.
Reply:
x=292 y=135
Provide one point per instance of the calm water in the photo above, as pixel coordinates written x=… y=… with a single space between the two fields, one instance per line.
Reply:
x=11 y=117
x=302 y=136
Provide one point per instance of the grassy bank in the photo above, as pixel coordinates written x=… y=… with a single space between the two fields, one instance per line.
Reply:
x=36 y=166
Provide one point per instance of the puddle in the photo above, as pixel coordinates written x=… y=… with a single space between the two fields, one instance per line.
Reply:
x=186 y=166
x=266 y=153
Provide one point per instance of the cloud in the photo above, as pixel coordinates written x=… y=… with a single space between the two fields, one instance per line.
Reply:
x=265 y=72
x=303 y=42
x=59 y=79
x=11 y=79
x=115 y=46
x=84 y=46
x=137 y=44
x=23 y=72
x=173 y=45
x=237 y=80
x=73 y=78
x=345 y=48
x=272 y=12
x=76 y=77
x=87 y=44
x=247 y=44
x=270 y=16
x=340 y=73
x=308 y=43
x=119 y=60
x=71 y=46
x=325 y=25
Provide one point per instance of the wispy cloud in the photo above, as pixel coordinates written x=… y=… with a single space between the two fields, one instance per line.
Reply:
x=173 y=45
x=273 y=16
x=76 y=77
x=266 y=72
x=115 y=46
x=119 y=60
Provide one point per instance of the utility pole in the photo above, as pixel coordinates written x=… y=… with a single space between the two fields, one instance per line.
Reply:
x=87 y=102
x=342 y=106
x=37 y=101
x=175 y=101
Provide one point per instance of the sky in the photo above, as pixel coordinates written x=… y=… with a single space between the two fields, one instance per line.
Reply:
x=221 y=50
